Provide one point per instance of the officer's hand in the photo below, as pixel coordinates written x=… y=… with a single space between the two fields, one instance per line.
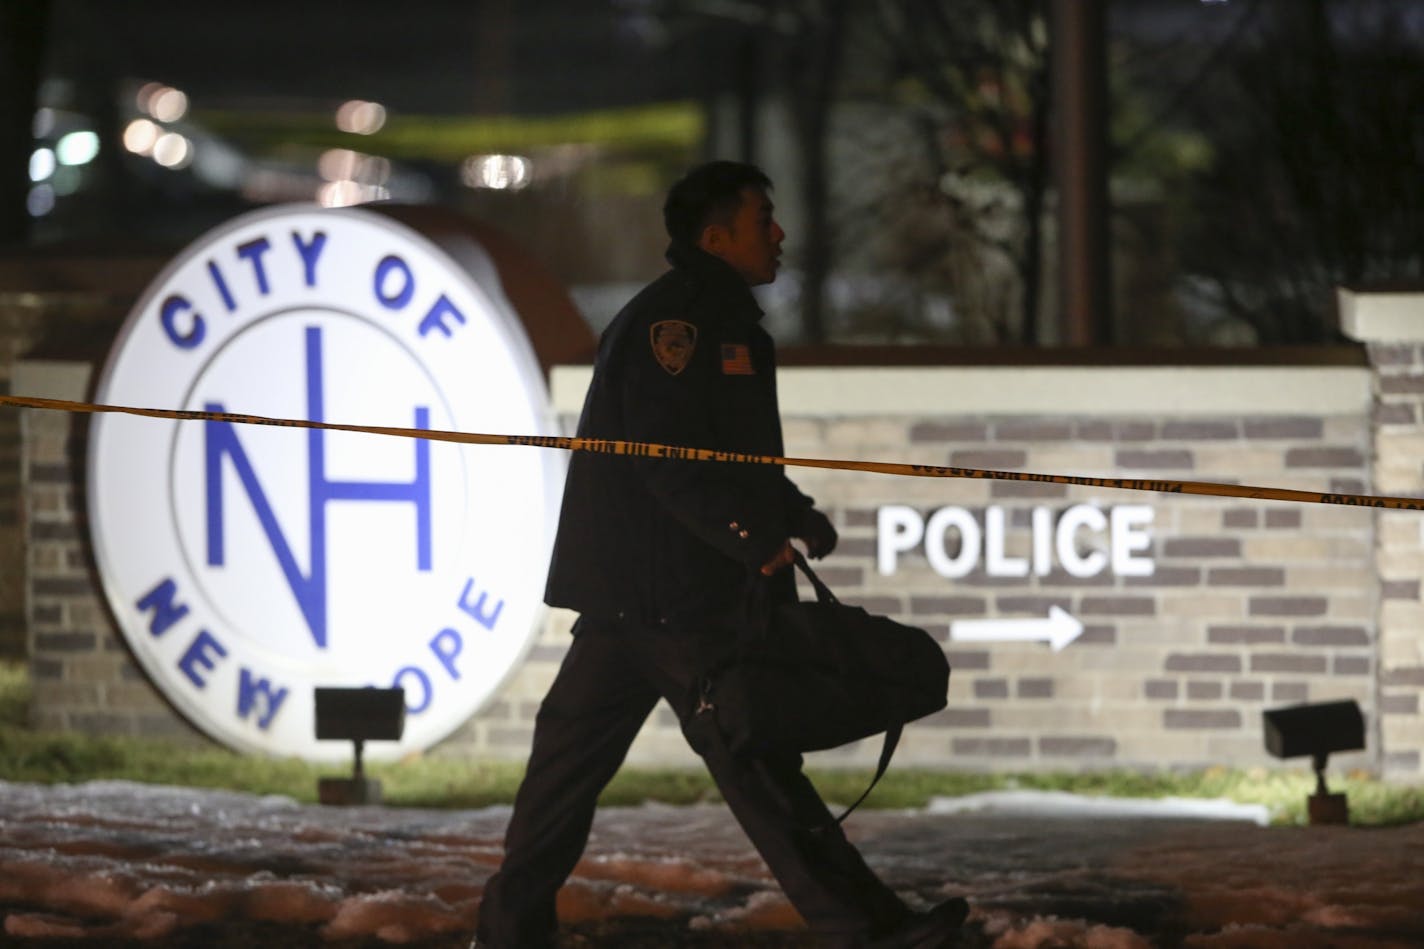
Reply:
x=816 y=531
x=784 y=558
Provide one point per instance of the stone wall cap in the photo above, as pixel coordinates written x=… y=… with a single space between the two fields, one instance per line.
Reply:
x=1047 y=391
x=1393 y=314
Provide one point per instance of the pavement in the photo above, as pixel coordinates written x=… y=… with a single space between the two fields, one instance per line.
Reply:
x=124 y=864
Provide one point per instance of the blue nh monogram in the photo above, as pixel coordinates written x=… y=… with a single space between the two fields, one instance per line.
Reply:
x=310 y=589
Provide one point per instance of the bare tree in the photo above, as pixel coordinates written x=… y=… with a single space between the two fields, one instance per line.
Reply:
x=956 y=107
x=977 y=78
x=812 y=64
x=800 y=45
x=1319 y=139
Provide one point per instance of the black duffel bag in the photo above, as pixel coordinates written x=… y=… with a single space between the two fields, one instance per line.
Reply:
x=818 y=675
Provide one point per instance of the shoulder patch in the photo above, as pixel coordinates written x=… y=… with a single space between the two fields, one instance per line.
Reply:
x=673 y=342
x=737 y=360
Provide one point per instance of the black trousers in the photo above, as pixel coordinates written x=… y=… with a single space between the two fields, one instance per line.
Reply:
x=610 y=680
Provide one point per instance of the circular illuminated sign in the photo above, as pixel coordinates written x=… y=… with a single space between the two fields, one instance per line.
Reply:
x=247 y=565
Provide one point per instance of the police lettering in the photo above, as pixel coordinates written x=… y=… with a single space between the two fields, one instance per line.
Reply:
x=1124 y=528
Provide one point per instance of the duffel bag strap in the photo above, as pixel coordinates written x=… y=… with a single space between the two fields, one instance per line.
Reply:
x=823 y=592
x=757 y=612
x=892 y=734
x=887 y=751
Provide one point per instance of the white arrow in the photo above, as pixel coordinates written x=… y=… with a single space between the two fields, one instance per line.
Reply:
x=1059 y=629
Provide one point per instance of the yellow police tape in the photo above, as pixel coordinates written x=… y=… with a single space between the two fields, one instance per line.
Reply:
x=650 y=450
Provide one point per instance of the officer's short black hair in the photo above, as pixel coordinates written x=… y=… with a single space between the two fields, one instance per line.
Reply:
x=708 y=194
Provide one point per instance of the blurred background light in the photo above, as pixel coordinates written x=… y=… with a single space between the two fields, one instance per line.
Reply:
x=67 y=180
x=339 y=164
x=500 y=172
x=40 y=200
x=144 y=97
x=43 y=125
x=77 y=148
x=164 y=103
x=140 y=135
x=345 y=193
x=172 y=150
x=41 y=164
x=360 y=117
x=169 y=105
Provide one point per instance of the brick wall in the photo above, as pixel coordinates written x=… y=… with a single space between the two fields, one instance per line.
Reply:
x=19 y=322
x=1392 y=326
x=1250 y=605
x=44 y=301
x=82 y=674
x=16 y=328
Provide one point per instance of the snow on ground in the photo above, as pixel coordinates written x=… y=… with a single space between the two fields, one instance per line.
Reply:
x=1063 y=804
x=114 y=863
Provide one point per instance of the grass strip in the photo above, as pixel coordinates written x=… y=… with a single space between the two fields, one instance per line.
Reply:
x=444 y=782
x=440 y=781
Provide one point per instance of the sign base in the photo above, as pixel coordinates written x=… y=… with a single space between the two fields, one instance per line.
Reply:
x=342 y=792
x=1328 y=809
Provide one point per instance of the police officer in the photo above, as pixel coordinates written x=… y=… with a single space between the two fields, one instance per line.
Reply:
x=656 y=555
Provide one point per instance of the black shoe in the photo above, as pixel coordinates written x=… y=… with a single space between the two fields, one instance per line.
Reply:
x=930 y=930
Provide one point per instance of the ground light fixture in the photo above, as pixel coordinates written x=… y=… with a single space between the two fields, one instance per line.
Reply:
x=1317 y=730
x=357 y=715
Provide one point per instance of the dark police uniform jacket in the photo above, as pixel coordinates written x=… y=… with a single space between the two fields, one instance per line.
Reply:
x=685 y=363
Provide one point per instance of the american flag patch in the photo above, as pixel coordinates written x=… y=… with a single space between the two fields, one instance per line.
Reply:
x=736 y=360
